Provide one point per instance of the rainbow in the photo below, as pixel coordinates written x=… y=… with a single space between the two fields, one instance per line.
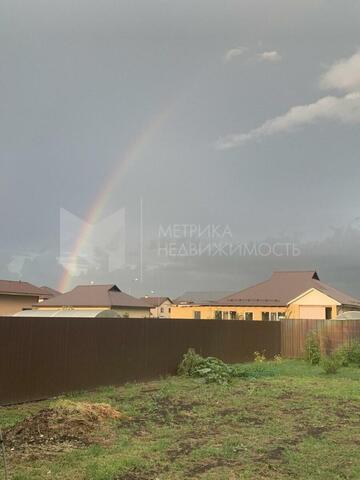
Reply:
x=111 y=183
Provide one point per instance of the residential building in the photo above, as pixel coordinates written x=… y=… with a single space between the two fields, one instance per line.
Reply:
x=160 y=307
x=18 y=295
x=96 y=297
x=290 y=294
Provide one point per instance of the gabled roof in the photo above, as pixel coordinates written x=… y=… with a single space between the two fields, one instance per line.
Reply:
x=94 y=296
x=283 y=287
x=199 y=298
x=308 y=292
x=155 y=301
x=12 y=287
x=49 y=292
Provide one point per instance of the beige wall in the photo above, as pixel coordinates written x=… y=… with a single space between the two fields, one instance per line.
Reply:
x=208 y=312
x=312 y=305
x=166 y=313
x=10 y=304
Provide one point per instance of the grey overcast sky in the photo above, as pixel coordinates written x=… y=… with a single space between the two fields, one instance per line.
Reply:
x=238 y=113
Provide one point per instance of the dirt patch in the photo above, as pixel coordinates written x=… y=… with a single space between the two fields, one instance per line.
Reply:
x=137 y=474
x=316 y=431
x=183 y=448
x=286 y=395
x=227 y=411
x=65 y=426
x=294 y=410
x=251 y=420
x=165 y=406
x=238 y=417
x=161 y=411
x=208 y=465
x=275 y=453
x=120 y=397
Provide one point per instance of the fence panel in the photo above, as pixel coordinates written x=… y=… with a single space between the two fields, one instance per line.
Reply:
x=333 y=333
x=42 y=357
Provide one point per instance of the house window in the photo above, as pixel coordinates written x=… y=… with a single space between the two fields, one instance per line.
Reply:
x=218 y=315
x=280 y=315
x=328 y=313
x=232 y=315
x=197 y=315
x=225 y=315
x=169 y=310
x=162 y=309
x=274 y=316
x=249 y=316
x=265 y=316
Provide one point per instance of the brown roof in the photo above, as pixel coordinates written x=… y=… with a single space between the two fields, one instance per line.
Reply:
x=94 y=296
x=19 y=288
x=201 y=298
x=283 y=287
x=155 y=301
x=49 y=292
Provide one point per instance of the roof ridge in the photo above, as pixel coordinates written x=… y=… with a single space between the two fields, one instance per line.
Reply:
x=244 y=289
x=292 y=271
x=328 y=288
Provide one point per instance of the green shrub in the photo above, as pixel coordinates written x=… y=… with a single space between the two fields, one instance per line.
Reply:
x=330 y=364
x=312 y=348
x=342 y=355
x=354 y=353
x=348 y=354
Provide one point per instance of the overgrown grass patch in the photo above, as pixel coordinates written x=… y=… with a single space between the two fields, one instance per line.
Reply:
x=297 y=423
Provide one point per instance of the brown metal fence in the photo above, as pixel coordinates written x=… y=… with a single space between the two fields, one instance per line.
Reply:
x=42 y=357
x=333 y=333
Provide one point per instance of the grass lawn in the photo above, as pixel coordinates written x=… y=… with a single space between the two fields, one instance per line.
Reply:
x=298 y=424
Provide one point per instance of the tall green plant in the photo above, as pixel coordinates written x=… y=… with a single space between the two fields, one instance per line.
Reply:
x=330 y=364
x=312 y=348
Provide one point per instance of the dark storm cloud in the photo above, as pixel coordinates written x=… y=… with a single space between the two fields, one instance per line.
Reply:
x=80 y=80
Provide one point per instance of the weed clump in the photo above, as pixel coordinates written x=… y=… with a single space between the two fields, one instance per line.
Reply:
x=214 y=370
x=211 y=369
x=259 y=357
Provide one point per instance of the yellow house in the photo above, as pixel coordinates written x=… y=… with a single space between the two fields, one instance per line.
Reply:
x=96 y=297
x=290 y=294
